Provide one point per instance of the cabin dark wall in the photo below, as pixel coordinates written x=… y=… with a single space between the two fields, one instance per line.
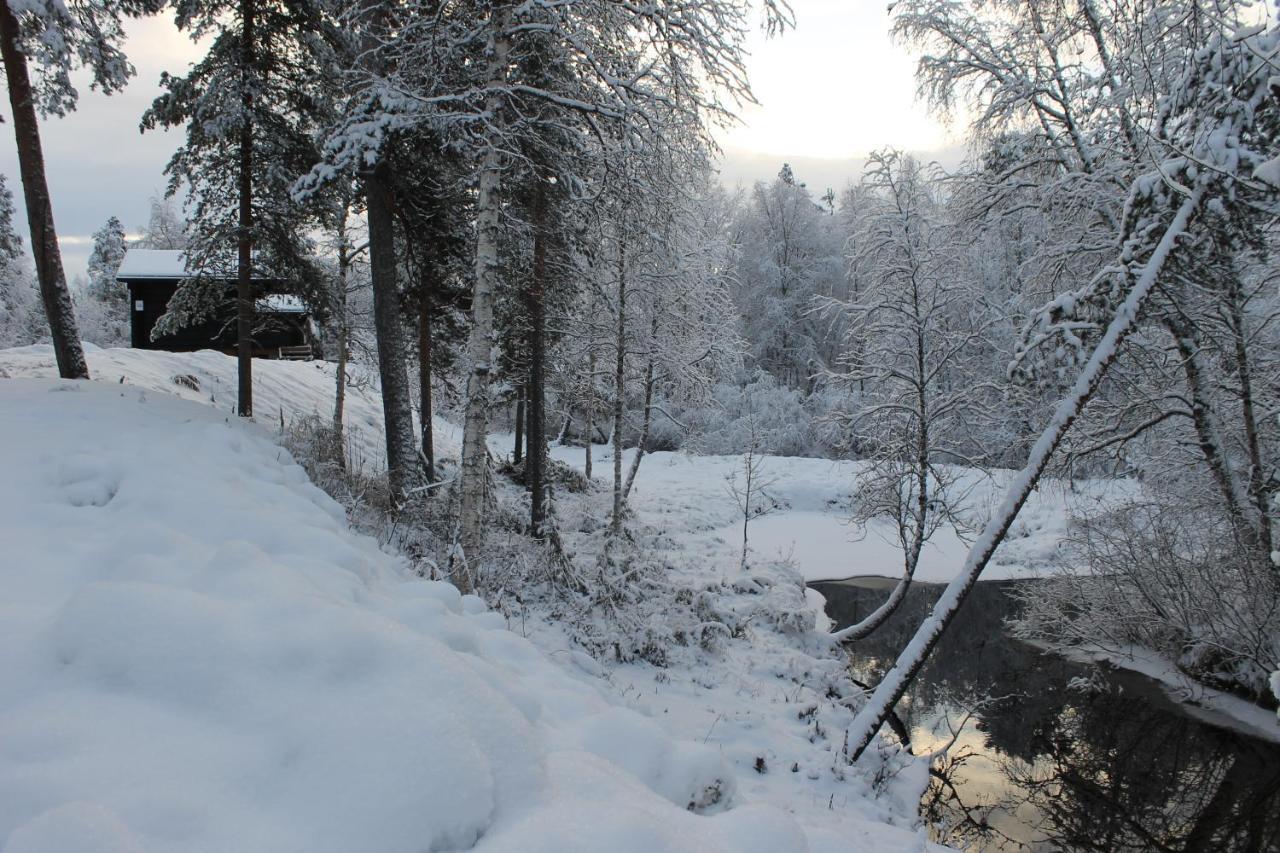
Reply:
x=273 y=331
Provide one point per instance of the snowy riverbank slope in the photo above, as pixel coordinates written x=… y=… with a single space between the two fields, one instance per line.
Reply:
x=196 y=653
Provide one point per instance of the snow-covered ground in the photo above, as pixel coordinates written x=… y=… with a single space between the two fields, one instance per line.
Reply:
x=197 y=653
x=686 y=495
x=690 y=498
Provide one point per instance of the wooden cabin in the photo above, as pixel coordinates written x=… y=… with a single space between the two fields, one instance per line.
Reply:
x=282 y=328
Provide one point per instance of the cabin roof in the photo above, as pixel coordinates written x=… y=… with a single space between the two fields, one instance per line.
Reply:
x=161 y=264
x=153 y=263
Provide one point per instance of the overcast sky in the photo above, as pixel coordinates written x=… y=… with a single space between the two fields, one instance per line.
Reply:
x=829 y=91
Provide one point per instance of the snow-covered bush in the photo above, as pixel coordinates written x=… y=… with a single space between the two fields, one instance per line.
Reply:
x=784 y=421
x=1169 y=577
x=103 y=321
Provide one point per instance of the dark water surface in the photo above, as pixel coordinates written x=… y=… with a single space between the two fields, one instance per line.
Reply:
x=1055 y=755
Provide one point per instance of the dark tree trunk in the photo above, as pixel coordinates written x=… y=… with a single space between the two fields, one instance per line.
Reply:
x=1260 y=488
x=344 y=330
x=397 y=407
x=591 y=411
x=517 y=452
x=424 y=379
x=35 y=189
x=536 y=461
x=244 y=237
x=619 y=386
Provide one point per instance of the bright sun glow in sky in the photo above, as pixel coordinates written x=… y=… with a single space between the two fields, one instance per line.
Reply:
x=835 y=87
x=829 y=91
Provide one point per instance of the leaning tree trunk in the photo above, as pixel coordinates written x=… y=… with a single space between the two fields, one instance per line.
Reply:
x=480 y=343
x=397 y=403
x=895 y=682
x=1261 y=489
x=244 y=234
x=536 y=390
x=1209 y=432
x=35 y=190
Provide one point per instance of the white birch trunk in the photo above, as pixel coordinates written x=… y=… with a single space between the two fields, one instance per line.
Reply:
x=480 y=344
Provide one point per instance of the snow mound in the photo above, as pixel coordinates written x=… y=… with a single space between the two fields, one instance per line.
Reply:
x=197 y=654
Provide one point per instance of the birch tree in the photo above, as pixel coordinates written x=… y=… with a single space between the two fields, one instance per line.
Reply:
x=910 y=336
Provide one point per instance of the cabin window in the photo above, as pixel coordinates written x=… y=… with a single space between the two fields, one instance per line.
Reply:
x=137 y=305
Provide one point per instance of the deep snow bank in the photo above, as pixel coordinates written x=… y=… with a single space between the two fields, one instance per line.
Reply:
x=196 y=653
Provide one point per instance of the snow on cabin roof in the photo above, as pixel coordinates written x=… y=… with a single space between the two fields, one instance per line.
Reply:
x=153 y=263
x=159 y=263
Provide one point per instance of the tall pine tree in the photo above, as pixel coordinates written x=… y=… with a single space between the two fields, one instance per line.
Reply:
x=250 y=109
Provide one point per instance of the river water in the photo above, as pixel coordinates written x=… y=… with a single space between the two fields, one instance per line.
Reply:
x=1054 y=755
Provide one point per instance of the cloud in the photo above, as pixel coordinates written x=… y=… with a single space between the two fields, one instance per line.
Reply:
x=97 y=161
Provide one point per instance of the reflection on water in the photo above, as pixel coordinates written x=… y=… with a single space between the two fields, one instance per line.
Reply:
x=1047 y=754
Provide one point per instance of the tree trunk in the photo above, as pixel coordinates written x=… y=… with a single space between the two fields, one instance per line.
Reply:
x=480 y=343
x=750 y=465
x=344 y=328
x=517 y=452
x=425 y=406
x=1209 y=434
x=244 y=234
x=1260 y=489
x=895 y=682
x=619 y=384
x=397 y=404
x=645 y=421
x=54 y=294
x=536 y=462
x=591 y=411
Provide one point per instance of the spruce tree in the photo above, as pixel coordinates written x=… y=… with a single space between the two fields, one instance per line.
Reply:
x=20 y=320
x=250 y=107
x=108 y=251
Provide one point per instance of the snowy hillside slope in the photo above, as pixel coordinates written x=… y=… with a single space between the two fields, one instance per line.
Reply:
x=196 y=653
x=289 y=388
